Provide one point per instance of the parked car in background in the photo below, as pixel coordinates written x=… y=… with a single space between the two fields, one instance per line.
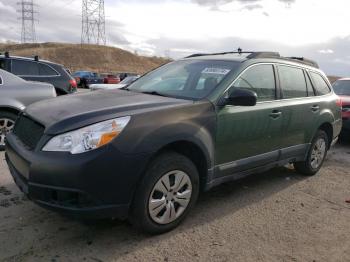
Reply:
x=110 y=78
x=145 y=152
x=15 y=95
x=34 y=69
x=342 y=89
x=127 y=81
x=87 y=78
x=122 y=76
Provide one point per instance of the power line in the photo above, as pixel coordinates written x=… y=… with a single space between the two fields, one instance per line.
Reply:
x=27 y=15
x=93 y=22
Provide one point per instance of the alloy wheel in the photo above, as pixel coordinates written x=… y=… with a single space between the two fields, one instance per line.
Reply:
x=318 y=153
x=170 y=197
x=6 y=125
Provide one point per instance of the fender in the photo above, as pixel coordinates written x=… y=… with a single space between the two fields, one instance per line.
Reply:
x=195 y=123
x=12 y=104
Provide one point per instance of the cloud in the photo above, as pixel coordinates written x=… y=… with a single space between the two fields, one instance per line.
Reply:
x=253 y=7
x=179 y=28
x=326 y=51
x=221 y=2
x=336 y=62
x=287 y=1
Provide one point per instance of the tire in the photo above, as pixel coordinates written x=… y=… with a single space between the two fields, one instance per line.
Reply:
x=316 y=155
x=169 y=166
x=7 y=120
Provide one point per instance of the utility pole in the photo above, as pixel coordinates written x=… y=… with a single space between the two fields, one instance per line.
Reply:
x=93 y=22
x=27 y=16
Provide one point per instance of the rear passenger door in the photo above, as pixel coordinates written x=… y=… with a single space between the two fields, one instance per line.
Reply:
x=300 y=110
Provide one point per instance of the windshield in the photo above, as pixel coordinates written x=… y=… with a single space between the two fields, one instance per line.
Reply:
x=342 y=87
x=188 y=79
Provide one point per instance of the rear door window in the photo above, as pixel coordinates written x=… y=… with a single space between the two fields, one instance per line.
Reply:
x=261 y=80
x=310 y=89
x=292 y=82
x=320 y=84
x=2 y=64
x=46 y=70
x=25 y=68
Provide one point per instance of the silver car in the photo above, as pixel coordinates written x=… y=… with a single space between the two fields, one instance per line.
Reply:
x=15 y=95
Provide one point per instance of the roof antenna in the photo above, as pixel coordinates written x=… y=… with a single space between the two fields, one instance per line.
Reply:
x=239 y=50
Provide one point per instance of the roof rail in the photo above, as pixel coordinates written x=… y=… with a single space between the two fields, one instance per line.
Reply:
x=304 y=61
x=249 y=56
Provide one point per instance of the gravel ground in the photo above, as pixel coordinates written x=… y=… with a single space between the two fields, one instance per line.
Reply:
x=275 y=216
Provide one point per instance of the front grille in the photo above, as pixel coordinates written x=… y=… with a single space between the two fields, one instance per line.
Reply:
x=28 y=131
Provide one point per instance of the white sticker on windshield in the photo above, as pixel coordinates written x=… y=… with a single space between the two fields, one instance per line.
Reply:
x=217 y=71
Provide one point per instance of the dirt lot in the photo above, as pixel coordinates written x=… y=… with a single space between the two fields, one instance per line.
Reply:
x=275 y=216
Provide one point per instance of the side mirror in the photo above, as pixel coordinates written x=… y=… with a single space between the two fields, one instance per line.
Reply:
x=241 y=97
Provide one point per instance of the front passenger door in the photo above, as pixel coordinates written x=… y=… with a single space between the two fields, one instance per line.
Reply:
x=249 y=136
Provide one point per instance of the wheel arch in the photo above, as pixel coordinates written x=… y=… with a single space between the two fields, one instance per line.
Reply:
x=328 y=129
x=192 y=151
x=10 y=109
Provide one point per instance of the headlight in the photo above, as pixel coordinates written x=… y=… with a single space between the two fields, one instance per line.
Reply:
x=87 y=138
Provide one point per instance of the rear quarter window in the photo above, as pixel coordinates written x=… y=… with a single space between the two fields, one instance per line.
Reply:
x=45 y=70
x=320 y=84
x=2 y=64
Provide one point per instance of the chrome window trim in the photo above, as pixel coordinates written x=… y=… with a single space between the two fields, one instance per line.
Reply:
x=277 y=100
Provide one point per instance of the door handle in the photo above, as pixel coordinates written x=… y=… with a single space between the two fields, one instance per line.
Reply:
x=275 y=114
x=315 y=108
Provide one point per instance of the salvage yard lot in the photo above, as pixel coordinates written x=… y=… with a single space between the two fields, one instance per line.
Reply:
x=275 y=216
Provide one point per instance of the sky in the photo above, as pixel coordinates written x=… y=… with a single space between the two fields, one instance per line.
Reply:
x=316 y=29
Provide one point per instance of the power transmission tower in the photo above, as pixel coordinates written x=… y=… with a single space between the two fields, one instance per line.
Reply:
x=93 y=22
x=27 y=15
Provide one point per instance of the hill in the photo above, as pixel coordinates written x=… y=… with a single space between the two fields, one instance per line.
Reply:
x=87 y=57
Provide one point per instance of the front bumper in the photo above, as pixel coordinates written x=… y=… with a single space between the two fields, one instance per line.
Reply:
x=96 y=184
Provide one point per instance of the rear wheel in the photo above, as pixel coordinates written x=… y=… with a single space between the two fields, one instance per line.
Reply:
x=7 y=122
x=167 y=193
x=316 y=155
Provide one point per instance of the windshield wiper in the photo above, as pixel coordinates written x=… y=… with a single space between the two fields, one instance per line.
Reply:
x=125 y=88
x=152 y=93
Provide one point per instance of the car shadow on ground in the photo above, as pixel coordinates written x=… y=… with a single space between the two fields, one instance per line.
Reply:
x=219 y=202
x=62 y=233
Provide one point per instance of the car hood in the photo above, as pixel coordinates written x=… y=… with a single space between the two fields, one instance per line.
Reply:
x=106 y=86
x=70 y=112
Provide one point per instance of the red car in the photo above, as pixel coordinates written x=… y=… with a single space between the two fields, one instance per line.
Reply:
x=342 y=89
x=110 y=79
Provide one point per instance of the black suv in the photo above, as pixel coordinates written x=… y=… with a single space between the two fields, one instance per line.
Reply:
x=40 y=70
x=145 y=152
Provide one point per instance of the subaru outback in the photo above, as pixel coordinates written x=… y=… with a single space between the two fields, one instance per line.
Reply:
x=147 y=151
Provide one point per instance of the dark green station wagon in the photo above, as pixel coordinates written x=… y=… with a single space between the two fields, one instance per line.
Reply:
x=145 y=152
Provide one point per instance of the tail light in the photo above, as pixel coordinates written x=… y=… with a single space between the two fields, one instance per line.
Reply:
x=339 y=102
x=73 y=84
x=77 y=80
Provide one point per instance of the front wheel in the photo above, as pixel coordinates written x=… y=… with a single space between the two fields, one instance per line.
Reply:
x=316 y=155
x=167 y=193
x=7 y=122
